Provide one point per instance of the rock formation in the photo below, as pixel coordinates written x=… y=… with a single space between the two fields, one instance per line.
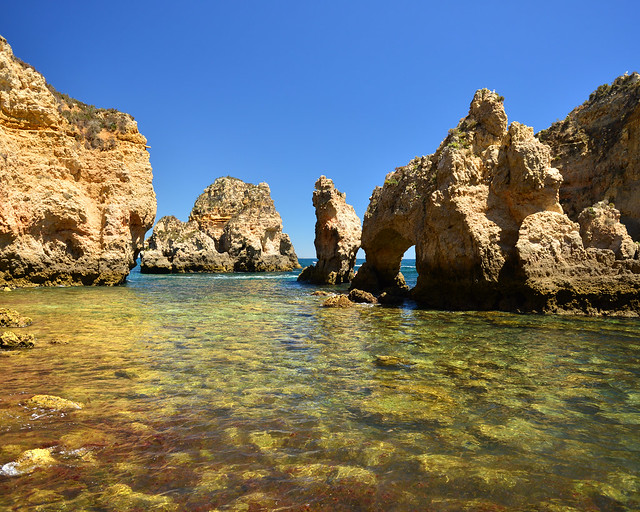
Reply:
x=233 y=226
x=75 y=185
x=483 y=212
x=337 y=236
x=597 y=150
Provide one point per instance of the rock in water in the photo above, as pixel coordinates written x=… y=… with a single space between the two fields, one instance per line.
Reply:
x=52 y=402
x=484 y=215
x=337 y=236
x=10 y=340
x=597 y=150
x=233 y=226
x=75 y=185
x=11 y=318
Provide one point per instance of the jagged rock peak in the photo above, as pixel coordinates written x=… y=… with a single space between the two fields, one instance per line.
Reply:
x=76 y=195
x=233 y=226
x=337 y=236
x=597 y=150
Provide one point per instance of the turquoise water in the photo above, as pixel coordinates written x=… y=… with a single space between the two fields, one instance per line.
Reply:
x=241 y=392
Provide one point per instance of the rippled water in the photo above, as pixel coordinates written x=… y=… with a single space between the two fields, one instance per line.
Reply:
x=240 y=392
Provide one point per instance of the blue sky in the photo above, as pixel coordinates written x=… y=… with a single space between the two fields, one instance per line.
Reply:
x=284 y=91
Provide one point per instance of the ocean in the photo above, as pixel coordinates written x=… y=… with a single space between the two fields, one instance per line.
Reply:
x=241 y=392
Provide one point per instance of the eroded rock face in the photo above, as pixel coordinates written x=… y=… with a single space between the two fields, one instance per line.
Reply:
x=600 y=228
x=484 y=215
x=337 y=236
x=76 y=196
x=597 y=150
x=233 y=226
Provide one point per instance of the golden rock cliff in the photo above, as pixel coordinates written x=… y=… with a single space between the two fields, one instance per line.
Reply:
x=76 y=194
x=485 y=216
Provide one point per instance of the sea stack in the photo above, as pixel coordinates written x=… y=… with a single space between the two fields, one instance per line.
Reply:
x=490 y=233
x=233 y=226
x=337 y=236
x=76 y=197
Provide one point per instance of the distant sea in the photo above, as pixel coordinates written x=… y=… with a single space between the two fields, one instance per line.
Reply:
x=241 y=392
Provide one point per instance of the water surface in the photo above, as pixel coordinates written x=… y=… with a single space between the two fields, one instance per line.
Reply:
x=240 y=392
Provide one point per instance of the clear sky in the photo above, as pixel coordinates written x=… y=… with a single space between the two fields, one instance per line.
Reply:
x=284 y=91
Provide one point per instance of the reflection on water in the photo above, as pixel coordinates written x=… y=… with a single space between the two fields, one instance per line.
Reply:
x=241 y=393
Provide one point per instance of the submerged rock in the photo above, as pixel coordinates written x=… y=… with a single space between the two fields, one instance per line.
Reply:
x=10 y=340
x=52 y=402
x=233 y=226
x=11 y=318
x=484 y=215
x=337 y=236
x=28 y=462
x=75 y=185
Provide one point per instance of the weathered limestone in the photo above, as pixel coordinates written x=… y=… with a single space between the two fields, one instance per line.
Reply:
x=337 y=236
x=597 y=150
x=233 y=226
x=485 y=217
x=75 y=185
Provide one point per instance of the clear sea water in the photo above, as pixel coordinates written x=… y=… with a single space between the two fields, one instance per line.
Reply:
x=241 y=392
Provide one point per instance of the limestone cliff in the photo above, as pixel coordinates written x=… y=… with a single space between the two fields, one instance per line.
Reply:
x=597 y=150
x=337 y=236
x=76 y=197
x=233 y=226
x=484 y=215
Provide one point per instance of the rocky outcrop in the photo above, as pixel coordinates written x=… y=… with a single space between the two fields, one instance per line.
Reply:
x=76 y=197
x=600 y=228
x=337 y=236
x=484 y=215
x=233 y=226
x=597 y=150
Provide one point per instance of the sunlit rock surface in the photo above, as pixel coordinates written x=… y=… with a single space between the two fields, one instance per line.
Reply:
x=233 y=226
x=76 y=197
x=337 y=236
x=597 y=150
x=484 y=215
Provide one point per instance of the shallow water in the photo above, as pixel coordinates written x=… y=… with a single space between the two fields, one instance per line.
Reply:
x=240 y=392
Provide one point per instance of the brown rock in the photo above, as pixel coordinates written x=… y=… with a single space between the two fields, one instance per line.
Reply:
x=600 y=228
x=337 y=301
x=75 y=185
x=597 y=150
x=361 y=296
x=233 y=226
x=337 y=236
x=10 y=340
x=11 y=318
x=484 y=215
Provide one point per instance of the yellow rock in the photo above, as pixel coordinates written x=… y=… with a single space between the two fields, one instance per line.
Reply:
x=52 y=402
x=28 y=462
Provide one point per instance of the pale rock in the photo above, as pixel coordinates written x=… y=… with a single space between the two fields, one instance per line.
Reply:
x=337 y=239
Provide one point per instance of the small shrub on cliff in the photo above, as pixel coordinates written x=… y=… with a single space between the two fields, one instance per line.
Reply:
x=90 y=121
